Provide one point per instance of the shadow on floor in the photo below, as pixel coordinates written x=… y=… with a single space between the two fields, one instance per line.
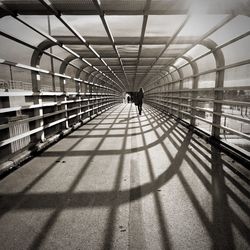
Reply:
x=189 y=149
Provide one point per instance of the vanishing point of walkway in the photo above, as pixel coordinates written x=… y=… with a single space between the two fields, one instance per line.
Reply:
x=125 y=181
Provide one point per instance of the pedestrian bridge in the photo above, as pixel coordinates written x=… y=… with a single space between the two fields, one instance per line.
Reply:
x=80 y=168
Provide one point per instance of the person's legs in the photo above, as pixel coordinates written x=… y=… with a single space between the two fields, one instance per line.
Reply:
x=140 y=107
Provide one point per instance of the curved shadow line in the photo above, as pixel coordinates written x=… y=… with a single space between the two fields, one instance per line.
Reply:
x=112 y=152
x=102 y=198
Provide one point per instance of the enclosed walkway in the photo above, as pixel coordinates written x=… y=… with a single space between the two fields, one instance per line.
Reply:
x=80 y=168
x=125 y=181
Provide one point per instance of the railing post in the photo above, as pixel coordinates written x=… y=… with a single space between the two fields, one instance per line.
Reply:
x=65 y=98
x=194 y=94
x=36 y=87
x=219 y=83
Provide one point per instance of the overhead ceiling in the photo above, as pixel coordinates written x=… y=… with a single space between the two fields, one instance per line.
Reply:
x=137 y=39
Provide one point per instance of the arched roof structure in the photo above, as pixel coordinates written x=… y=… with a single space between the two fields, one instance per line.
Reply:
x=191 y=57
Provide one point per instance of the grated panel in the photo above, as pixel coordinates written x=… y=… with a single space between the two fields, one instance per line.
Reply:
x=171 y=6
x=123 y=5
x=73 y=5
x=26 y=6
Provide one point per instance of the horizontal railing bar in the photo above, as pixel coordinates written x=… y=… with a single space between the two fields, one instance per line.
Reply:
x=246 y=120
x=246 y=136
x=41 y=128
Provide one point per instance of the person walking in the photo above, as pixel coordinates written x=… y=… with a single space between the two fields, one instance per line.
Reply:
x=128 y=99
x=140 y=96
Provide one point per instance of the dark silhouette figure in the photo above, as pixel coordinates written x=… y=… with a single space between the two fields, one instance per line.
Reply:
x=140 y=96
x=128 y=99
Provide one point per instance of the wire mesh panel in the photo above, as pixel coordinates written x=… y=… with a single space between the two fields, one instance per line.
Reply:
x=73 y=5
x=170 y=25
x=129 y=25
x=27 y=6
x=13 y=27
x=14 y=51
x=18 y=129
x=129 y=5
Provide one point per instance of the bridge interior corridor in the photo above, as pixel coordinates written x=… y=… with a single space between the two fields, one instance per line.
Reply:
x=80 y=168
x=124 y=181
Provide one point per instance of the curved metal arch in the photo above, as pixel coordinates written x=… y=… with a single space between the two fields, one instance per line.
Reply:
x=169 y=73
x=180 y=73
x=211 y=45
x=92 y=75
x=166 y=80
x=195 y=81
x=103 y=82
x=96 y=77
x=110 y=83
x=162 y=74
x=65 y=63
x=174 y=80
x=80 y=70
x=36 y=58
x=219 y=83
x=218 y=54
x=162 y=77
x=63 y=68
x=35 y=62
x=99 y=78
x=37 y=54
x=193 y=64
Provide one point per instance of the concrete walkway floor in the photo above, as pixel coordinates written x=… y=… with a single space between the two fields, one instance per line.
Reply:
x=125 y=181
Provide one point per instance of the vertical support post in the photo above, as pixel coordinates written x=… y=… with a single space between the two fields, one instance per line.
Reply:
x=170 y=88
x=195 y=81
x=36 y=85
x=180 y=100
x=11 y=77
x=79 y=103
x=218 y=96
x=194 y=94
x=180 y=87
x=62 y=86
x=219 y=83
x=51 y=58
x=78 y=87
x=41 y=122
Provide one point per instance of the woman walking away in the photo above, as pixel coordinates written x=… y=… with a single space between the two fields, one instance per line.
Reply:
x=140 y=96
